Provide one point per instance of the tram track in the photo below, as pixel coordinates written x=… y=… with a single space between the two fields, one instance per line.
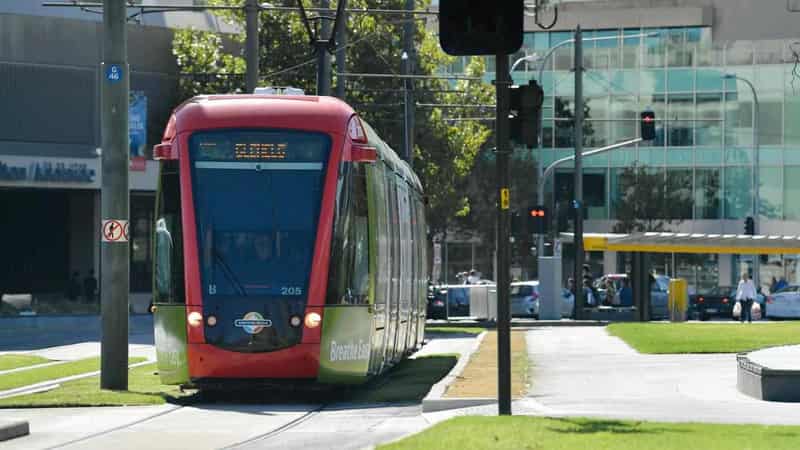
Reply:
x=277 y=431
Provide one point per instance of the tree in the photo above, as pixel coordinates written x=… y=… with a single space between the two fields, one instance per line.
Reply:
x=445 y=149
x=648 y=202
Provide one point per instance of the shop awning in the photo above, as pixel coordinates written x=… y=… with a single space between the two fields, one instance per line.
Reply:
x=655 y=242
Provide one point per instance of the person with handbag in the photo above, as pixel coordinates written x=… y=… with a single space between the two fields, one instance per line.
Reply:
x=745 y=295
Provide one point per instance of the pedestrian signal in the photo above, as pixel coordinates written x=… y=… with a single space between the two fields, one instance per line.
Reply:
x=537 y=220
x=648 y=125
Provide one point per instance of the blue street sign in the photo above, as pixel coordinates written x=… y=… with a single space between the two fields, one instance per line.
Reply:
x=113 y=73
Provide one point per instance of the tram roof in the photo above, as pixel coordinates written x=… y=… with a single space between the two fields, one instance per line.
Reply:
x=658 y=242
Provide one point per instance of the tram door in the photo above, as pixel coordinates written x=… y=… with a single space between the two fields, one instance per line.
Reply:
x=405 y=265
x=393 y=267
x=379 y=265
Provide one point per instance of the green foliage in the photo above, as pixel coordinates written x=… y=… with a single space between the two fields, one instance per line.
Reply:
x=445 y=150
x=704 y=337
x=648 y=202
x=468 y=433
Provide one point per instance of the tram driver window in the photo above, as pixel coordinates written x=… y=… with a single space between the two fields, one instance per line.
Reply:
x=168 y=261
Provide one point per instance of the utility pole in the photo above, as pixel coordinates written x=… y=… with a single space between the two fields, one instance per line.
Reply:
x=408 y=91
x=502 y=86
x=578 y=204
x=251 y=10
x=323 y=58
x=114 y=277
x=341 y=56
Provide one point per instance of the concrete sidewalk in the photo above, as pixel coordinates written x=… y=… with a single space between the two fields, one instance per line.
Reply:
x=587 y=372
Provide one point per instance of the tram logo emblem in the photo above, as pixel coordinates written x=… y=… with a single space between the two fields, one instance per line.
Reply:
x=253 y=323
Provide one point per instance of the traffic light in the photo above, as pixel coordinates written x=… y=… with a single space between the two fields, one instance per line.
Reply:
x=478 y=27
x=749 y=226
x=537 y=220
x=648 y=125
x=526 y=106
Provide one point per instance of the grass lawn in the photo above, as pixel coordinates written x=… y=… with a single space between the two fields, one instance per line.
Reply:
x=519 y=433
x=455 y=330
x=705 y=337
x=479 y=378
x=8 y=362
x=144 y=388
x=33 y=376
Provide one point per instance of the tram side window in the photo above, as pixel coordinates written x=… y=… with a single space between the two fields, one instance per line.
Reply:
x=168 y=262
x=348 y=280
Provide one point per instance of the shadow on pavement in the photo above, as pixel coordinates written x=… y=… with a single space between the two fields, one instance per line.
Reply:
x=587 y=426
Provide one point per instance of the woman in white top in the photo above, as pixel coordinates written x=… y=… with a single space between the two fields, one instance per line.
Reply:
x=746 y=294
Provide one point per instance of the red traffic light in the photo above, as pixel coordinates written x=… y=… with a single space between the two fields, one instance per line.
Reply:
x=537 y=213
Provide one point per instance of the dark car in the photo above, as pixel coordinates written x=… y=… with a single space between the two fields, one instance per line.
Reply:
x=717 y=301
x=437 y=296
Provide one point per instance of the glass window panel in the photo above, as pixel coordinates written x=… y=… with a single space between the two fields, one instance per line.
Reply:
x=595 y=108
x=617 y=189
x=738 y=155
x=770 y=192
x=679 y=157
x=541 y=40
x=547 y=107
x=738 y=121
x=709 y=106
x=679 y=193
x=564 y=134
x=768 y=78
x=708 y=133
x=709 y=79
x=771 y=156
x=624 y=107
x=623 y=157
x=768 y=52
x=562 y=58
x=595 y=133
x=564 y=107
x=791 y=119
x=791 y=155
x=678 y=53
x=738 y=198
x=652 y=81
x=680 y=80
x=564 y=83
x=547 y=133
x=655 y=49
x=770 y=122
x=739 y=53
x=707 y=194
x=680 y=134
x=596 y=82
x=681 y=106
x=594 y=193
x=651 y=156
x=708 y=157
x=791 y=192
x=624 y=82
x=621 y=130
x=705 y=55
x=656 y=103
x=529 y=40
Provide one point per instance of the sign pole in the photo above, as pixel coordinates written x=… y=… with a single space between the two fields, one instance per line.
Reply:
x=502 y=85
x=114 y=278
x=578 y=203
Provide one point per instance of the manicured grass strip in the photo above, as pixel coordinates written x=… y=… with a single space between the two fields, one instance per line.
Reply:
x=467 y=433
x=705 y=337
x=144 y=388
x=33 y=376
x=455 y=330
x=479 y=378
x=8 y=362
x=408 y=382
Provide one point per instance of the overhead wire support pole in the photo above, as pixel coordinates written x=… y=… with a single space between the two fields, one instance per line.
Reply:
x=251 y=44
x=114 y=198
x=578 y=183
x=502 y=86
x=341 y=56
x=408 y=91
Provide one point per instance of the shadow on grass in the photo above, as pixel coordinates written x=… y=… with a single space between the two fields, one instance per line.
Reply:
x=406 y=383
x=590 y=426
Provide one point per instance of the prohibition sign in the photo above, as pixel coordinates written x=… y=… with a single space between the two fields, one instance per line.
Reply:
x=115 y=230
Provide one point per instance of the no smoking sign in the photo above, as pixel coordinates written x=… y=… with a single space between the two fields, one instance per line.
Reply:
x=115 y=230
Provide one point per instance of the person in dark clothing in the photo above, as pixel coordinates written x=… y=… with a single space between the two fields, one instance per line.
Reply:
x=625 y=294
x=90 y=287
x=74 y=287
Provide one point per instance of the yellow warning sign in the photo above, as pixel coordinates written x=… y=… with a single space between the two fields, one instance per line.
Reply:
x=504 y=198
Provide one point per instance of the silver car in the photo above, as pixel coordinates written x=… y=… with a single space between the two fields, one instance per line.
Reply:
x=784 y=303
x=524 y=297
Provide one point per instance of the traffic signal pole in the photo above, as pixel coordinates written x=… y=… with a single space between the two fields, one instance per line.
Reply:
x=114 y=195
x=502 y=86
x=578 y=203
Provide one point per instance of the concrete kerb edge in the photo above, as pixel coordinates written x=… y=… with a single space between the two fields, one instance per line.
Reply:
x=14 y=429
x=435 y=400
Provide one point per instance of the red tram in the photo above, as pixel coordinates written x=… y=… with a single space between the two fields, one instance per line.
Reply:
x=290 y=244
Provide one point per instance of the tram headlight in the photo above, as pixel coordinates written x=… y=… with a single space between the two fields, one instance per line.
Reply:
x=195 y=319
x=313 y=320
x=295 y=321
x=211 y=321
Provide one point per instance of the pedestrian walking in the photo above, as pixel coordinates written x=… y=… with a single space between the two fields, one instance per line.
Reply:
x=89 y=287
x=745 y=294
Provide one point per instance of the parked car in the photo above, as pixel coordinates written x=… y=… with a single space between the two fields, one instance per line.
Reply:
x=524 y=297
x=717 y=301
x=658 y=292
x=784 y=303
x=437 y=296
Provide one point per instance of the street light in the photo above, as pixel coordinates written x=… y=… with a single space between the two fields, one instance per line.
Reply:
x=755 y=166
x=530 y=58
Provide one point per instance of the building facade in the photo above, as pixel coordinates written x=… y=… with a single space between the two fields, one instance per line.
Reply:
x=50 y=163
x=670 y=56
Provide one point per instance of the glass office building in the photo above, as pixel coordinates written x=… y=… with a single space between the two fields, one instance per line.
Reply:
x=704 y=131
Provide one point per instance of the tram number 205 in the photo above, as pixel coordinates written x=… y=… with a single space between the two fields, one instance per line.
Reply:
x=291 y=290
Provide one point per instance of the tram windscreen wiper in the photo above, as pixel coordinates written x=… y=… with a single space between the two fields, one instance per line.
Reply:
x=229 y=275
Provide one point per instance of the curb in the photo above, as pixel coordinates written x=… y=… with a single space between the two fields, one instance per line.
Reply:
x=765 y=383
x=434 y=401
x=15 y=429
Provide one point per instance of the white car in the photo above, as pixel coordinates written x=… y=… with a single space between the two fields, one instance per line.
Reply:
x=524 y=298
x=784 y=303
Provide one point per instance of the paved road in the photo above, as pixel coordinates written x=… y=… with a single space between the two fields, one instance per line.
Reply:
x=584 y=371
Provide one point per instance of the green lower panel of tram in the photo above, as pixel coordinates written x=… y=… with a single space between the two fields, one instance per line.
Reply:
x=170 y=337
x=346 y=344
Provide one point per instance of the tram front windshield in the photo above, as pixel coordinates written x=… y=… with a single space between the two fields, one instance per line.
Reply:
x=257 y=199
